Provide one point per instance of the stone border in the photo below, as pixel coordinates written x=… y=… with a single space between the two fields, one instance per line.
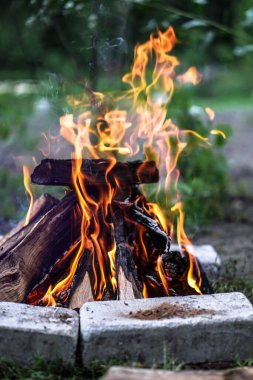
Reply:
x=214 y=328
x=28 y=331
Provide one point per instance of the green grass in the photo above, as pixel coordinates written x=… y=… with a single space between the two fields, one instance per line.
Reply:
x=59 y=370
x=232 y=281
x=50 y=371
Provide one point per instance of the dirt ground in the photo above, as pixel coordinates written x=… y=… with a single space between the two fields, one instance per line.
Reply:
x=233 y=236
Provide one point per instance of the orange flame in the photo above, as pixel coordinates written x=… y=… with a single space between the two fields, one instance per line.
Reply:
x=183 y=242
x=210 y=113
x=27 y=184
x=190 y=76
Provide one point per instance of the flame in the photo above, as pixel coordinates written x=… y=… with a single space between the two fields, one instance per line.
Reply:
x=190 y=76
x=48 y=299
x=162 y=275
x=27 y=184
x=135 y=127
x=218 y=132
x=111 y=255
x=155 y=209
x=183 y=242
x=210 y=113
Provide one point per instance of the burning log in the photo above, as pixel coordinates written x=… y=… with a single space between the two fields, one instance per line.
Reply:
x=81 y=287
x=176 y=267
x=58 y=270
x=43 y=241
x=82 y=294
x=137 y=215
x=59 y=172
x=128 y=283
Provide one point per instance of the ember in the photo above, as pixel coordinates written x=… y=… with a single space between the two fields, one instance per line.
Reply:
x=105 y=240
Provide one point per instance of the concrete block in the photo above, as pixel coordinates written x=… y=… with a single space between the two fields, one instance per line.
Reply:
x=213 y=328
x=208 y=258
x=29 y=331
x=120 y=373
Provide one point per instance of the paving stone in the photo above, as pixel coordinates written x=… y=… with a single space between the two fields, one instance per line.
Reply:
x=120 y=373
x=214 y=328
x=208 y=258
x=29 y=331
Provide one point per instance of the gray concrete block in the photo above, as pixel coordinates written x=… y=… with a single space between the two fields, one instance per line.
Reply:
x=29 y=331
x=124 y=373
x=208 y=258
x=221 y=331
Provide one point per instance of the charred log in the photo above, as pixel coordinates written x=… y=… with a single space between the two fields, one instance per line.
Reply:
x=59 y=172
x=176 y=266
x=137 y=215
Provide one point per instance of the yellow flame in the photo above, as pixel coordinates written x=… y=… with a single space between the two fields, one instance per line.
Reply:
x=27 y=184
x=111 y=255
x=157 y=213
x=218 y=132
x=162 y=275
x=183 y=242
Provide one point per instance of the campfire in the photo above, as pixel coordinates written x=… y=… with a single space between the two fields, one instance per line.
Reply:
x=105 y=240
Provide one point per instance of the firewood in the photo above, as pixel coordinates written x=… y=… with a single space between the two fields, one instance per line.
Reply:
x=81 y=287
x=82 y=293
x=59 y=172
x=125 y=287
x=29 y=260
x=43 y=204
x=137 y=215
x=176 y=266
x=127 y=278
x=57 y=272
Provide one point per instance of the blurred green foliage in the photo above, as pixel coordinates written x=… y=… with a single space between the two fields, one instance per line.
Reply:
x=78 y=39
x=204 y=173
x=15 y=111
x=11 y=194
x=63 y=45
